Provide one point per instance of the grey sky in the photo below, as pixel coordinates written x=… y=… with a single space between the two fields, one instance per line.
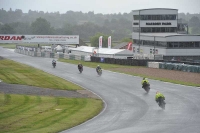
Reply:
x=100 y=6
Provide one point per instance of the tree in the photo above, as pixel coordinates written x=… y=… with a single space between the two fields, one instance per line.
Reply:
x=95 y=40
x=194 y=22
x=41 y=27
x=21 y=28
x=195 y=30
x=126 y=40
x=7 y=29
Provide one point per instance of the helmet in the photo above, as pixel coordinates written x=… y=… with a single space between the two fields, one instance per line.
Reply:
x=157 y=92
x=98 y=65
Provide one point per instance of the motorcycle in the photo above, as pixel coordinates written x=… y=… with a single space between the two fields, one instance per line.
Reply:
x=99 y=72
x=80 y=69
x=147 y=88
x=161 y=103
x=54 y=64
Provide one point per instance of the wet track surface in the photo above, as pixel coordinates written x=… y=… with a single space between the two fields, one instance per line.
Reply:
x=128 y=109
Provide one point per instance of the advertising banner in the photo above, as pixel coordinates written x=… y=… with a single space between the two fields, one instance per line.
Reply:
x=100 y=41
x=46 y=39
x=109 y=42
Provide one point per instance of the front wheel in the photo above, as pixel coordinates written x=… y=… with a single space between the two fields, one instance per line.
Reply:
x=162 y=104
x=99 y=72
x=80 y=70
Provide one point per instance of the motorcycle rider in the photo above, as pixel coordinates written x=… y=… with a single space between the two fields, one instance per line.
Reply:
x=145 y=82
x=53 y=61
x=98 y=68
x=80 y=66
x=159 y=96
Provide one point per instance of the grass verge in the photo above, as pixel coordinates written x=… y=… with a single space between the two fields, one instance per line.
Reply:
x=114 y=67
x=10 y=46
x=22 y=113
x=16 y=73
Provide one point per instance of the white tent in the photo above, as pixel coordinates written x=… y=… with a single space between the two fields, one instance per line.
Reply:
x=102 y=52
x=58 y=48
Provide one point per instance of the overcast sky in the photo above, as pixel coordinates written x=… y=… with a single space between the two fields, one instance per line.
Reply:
x=100 y=6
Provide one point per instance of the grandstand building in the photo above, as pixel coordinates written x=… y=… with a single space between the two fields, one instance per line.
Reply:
x=157 y=31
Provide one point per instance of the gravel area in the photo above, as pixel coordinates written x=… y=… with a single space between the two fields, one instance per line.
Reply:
x=31 y=90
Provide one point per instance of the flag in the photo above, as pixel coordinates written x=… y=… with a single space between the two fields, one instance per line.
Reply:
x=100 y=41
x=129 y=47
x=109 y=42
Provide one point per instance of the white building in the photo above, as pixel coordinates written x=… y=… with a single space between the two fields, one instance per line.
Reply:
x=155 y=31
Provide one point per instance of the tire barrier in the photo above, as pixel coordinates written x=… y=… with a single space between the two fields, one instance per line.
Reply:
x=175 y=66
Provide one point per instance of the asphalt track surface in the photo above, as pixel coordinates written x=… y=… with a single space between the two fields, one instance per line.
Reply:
x=128 y=109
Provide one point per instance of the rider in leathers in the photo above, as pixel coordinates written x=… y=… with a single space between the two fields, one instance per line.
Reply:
x=159 y=96
x=80 y=66
x=98 y=68
x=145 y=82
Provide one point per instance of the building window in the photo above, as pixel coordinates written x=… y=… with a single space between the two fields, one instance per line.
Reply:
x=169 y=45
x=154 y=17
x=153 y=29
x=136 y=17
x=197 y=44
x=135 y=29
x=135 y=23
x=149 y=17
x=182 y=45
x=157 y=17
x=176 y=45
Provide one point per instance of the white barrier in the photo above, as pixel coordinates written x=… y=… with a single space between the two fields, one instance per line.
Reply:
x=153 y=64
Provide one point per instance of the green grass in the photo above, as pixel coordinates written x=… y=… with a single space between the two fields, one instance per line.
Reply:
x=16 y=73
x=22 y=113
x=94 y=64
x=112 y=67
x=13 y=46
x=10 y=46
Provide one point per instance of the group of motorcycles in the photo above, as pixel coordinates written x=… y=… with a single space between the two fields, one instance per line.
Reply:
x=99 y=71
x=146 y=87
x=161 y=101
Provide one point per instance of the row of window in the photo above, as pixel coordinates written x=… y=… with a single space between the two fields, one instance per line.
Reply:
x=183 y=44
x=169 y=44
x=154 y=17
x=155 y=29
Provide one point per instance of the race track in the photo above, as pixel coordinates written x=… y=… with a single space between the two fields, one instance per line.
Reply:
x=128 y=109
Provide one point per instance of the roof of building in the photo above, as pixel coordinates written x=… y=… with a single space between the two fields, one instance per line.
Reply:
x=101 y=50
x=155 y=9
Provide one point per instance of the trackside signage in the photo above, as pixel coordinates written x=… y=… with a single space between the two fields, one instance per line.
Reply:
x=46 y=39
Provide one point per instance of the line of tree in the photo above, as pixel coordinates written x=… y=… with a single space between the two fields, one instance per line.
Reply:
x=119 y=25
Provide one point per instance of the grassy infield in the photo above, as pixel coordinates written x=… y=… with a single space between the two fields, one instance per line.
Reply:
x=24 y=113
